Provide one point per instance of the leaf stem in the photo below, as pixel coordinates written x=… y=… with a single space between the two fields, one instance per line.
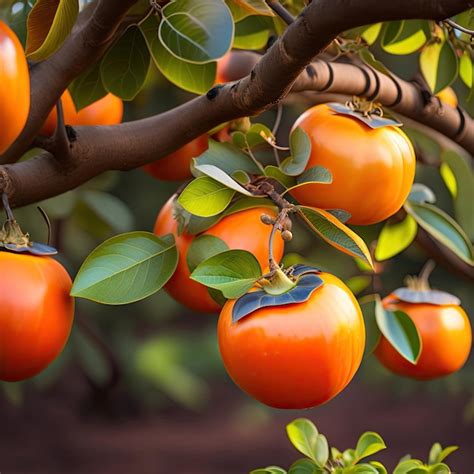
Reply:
x=254 y=158
x=458 y=27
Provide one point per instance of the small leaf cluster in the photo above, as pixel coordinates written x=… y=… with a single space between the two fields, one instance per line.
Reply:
x=321 y=459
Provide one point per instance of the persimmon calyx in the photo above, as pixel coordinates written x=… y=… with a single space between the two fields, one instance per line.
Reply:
x=277 y=283
x=12 y=235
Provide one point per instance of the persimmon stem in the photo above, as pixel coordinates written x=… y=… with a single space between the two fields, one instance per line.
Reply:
x=281 y=11
x=276 y=126
x=6 y=206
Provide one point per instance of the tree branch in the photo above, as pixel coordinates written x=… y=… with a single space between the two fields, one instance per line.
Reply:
x=134 y=144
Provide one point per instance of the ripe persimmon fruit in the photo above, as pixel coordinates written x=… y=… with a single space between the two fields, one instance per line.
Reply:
x=446 y=339
x=14 y=87
x=176 y=166
x=241 y=230
x=105 y=111
x=235 y=65
x=36 y=314
x=297 y=355
x=372 y=169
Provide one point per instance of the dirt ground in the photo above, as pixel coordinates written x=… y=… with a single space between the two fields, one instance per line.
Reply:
x=55 y=433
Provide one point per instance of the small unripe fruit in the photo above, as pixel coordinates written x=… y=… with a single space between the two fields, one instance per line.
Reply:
x=286 y=235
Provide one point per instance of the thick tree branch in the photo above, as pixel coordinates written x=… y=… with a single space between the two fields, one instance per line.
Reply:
x=93 y=33
x=133 y=144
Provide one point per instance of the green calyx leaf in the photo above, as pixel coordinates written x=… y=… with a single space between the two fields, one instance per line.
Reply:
x=232 y=272
x=279 y=283
x=126 y=268
x=398 y=328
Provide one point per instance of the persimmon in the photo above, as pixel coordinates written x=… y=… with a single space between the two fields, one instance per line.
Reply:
x=15 y=87
x=448 y=96
x=446 y=339
x=36 y=314
x=234 y=66
x=242 y=230
x=372 y=169
x=106 y=111
x=296 y=355
x=176 y=166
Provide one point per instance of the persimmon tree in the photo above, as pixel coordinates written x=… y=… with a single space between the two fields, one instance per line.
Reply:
x=219 y=241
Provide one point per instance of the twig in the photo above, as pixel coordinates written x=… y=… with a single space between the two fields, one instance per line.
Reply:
x=281 y=11
x=60 y=137
x=456 y=26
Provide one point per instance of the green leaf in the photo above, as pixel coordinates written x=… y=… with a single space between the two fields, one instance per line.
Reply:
x=226 y=157
x=395 y=237
x=379 y=467
x=252 y=7
x=109 y=209
x=321 y=450
x=205 y=197
x=369 y=443
x=87 y=88
x=406 y=466
x=361 y=469
x=274 y=172
x=400 y=331
x=195 y=78
x=269 y=470
x=126 y=268
x=373 y=334
x=466 y=68
x=300 y=148
x=358 y=284
x=446 y=452
x=222 y=177
x=196 y=31
x=251 y=33
x=162 y=363
x=202 y=248
x=49 y=23
x=460 y=168
x=335 y=233
x=435 y=451
x=303 y=434
x=409 y=36
x=125 y=66
x=371 y=33
x=232 y=272
x=369 y=59
x=421 y=193
x=439 y=468
x=439 y=65
x=442 y=227
x=305 y=466
x=449 y=179
x=315 y=175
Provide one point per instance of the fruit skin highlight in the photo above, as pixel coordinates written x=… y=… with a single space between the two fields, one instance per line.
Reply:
x=372 y=169
x=298 y=355
x=242 y=230
x=36 y=314
x=14 y=87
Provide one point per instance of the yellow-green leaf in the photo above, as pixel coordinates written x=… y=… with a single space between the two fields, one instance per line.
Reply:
x=49 y=23
x=465 y=68
x=394 y=238
x=371 y=34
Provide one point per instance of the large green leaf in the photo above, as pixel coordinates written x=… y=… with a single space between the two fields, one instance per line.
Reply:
x=395 y=237
x=368 y=306
x=49 y=23
x=303 y=435
x=314 y=175
x=442 y=227
x=198 y=31
x=371 y=33
x=461 y=170
x=251 y=33
x=404 y=37
x=232 y=272
x=398 y=328
x=226 y=157
x=125 y=66
x=196 y=78
x=202 y=248
x=242 y=8
x=439 y=65
x=87 y=88
x=205 y=197
x=335 y=233
x=126 y=268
